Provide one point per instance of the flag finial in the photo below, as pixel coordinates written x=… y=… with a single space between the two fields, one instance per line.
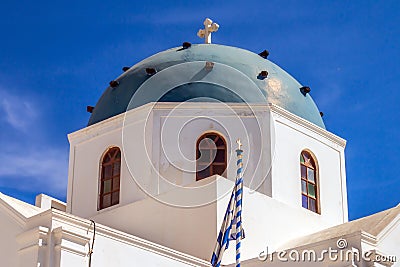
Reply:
x=239 y=144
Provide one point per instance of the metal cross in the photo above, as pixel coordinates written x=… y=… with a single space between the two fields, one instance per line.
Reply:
x=209 y=27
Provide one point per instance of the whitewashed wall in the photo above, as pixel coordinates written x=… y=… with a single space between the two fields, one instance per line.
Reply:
x=389 y=240
x=9 y=229
x=158 y=141
x=291 y=139
x=149 y=140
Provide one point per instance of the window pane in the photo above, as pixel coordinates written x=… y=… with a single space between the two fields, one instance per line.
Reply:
x=303 y=171
x=116 y=169
x=107 y=171
x=210 y=159
x=107 y=186
x=211 y=136
x=115 y=198
x=303 y=187
x=313 y=206
x=220 y=142
x=202 y=165
x=115 y=183
x=106 y=201
x=118 y=156
x=220 y=157
x=218 y=169
x=107 y=158
x=310 y=175
x=213 y=154
x=311 y=190
x=206 y=143
x=205 y=155
x=304 y=201
x=301 y=158
x=306 y=156
x=203 y=174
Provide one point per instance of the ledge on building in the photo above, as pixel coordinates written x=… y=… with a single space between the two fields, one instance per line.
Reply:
x=47 y=202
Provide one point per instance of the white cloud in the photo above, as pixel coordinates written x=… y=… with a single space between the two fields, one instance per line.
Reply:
x=19 y=112
x=25 y=163
x=38 y=170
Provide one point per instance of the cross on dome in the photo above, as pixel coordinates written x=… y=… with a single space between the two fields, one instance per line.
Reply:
x=209 y=27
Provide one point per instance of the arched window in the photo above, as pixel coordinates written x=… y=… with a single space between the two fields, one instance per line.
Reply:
x=110 y=178
x=210 y=156
x=309 y=182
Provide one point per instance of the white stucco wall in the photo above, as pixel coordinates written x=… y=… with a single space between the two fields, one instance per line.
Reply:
x=158 y=142
x=389 y=241
x=9 y=229
x=108 y=252
x=151 y=157
x=84 y=169
x=291 y=140
x=267 y=222
x=53 y=238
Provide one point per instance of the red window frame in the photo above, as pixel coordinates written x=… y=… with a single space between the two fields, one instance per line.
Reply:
x=211 y=156
x=309 y=182
x=110 y=178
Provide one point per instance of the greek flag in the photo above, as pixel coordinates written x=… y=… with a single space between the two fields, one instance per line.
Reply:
x=231 y=228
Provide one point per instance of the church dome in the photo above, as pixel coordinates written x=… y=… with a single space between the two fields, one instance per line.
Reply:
x=205 y=72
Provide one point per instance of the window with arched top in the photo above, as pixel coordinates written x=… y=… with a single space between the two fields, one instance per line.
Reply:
x=110 y=178
x=211 y=156
x=309 y=182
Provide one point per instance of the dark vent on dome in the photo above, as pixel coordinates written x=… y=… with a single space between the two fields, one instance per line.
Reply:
x=90 y=109
x=151 y=71
x=186 y=45
x=305 y=90
x=125 y=69
x=321 y=113
x=114 y=84
x=262 y=75
x=264 y=54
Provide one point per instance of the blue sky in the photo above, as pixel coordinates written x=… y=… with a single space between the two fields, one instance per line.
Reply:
x=57 y=57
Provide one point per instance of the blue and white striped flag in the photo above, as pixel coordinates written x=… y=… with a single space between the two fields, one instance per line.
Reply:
x=231 y=228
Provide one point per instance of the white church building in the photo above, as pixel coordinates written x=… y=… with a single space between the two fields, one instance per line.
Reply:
x=151 y=174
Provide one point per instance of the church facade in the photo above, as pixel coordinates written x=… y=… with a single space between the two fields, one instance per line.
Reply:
x=151 y=174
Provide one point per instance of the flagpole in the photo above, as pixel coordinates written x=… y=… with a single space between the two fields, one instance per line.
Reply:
x=239 y=194
x=231 y=228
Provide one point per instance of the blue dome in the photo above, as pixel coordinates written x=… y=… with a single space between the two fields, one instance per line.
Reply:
x=232 y=76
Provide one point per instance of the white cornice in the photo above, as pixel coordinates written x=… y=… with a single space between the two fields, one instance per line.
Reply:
x=120 y=236
x=116 y=122
x=14 y=214
x=75 y=243
x=389 y=228
x=368 y=238
x=108 y=124
x=36 y=237
x=308 y=125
